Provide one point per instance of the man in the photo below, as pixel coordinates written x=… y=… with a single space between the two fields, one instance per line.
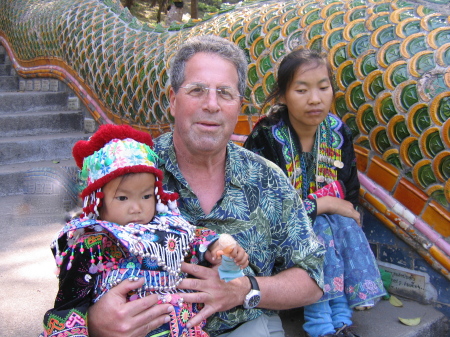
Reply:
x=228 y=189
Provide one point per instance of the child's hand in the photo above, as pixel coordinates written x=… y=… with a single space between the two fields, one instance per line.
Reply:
x=238 y=254
x=227 y=245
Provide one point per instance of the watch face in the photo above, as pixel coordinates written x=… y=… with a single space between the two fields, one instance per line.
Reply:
x=254 y=301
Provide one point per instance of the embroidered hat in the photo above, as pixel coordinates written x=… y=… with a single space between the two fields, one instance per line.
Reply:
x=113 y=151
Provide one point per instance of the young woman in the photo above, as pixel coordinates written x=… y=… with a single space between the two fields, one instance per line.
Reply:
x=314 y=148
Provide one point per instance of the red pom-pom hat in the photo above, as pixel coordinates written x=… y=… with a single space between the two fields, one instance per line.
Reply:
x=113 y=151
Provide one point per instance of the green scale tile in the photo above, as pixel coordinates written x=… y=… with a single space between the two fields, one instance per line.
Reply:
x=368 y=120
x=421 y=120
x=408 y=96
x=360 y=44
x=442 y=37
x=399 y=75
x=387 y=109
x=444 y=109
x=414 y=153
x=376 y=86
x=433 y=143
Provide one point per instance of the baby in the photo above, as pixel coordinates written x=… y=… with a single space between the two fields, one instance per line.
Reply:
x=130 y=229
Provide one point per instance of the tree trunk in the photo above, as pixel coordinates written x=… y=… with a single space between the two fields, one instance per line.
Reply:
x=194 y=9
x=129 y=3
x=161 y=4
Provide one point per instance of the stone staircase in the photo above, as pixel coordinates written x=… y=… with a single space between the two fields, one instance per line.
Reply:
x=40 y=120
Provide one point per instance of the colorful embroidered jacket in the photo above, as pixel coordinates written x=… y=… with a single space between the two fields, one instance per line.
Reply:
x=270 y=138
x=93 y=256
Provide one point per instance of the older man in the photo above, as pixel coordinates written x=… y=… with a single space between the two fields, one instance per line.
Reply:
x=228 y=189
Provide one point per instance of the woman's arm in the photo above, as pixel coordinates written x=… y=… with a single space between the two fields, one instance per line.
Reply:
x=333 y=205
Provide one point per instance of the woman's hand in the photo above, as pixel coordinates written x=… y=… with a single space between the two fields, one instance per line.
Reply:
x=333 y=205
x=113 y=316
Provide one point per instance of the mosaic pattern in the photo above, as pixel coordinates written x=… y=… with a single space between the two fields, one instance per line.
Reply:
x=391 y=60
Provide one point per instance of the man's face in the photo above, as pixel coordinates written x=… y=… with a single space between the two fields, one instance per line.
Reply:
x=204 y=124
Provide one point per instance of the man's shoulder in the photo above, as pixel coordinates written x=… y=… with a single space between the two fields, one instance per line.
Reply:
x=162 y=141
x=247 y=158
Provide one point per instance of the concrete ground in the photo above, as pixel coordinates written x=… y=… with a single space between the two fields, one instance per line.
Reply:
x=28 y=284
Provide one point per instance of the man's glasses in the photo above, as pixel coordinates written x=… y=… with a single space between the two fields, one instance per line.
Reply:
x=226 y=95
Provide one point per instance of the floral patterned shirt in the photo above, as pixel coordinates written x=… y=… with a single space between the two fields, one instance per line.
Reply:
x=260 y=209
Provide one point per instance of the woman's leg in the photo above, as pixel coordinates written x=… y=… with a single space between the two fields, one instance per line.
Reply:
x=341 y=313
x=318 y=320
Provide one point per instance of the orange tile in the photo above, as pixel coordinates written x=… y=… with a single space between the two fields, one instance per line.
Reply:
x=379 y=206
x=440 y=257
x=410 y=196
x=242 y=126
x=438 y=218
x=362 y=157
x=384 y=174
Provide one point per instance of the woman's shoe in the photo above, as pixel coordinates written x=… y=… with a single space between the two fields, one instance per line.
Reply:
x=346 y=331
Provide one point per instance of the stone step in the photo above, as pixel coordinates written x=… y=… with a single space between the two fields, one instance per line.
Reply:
x=16 y=150
x=382 y=321
x=32 y=101
x=30 y=178
x=5 y=69
x=9 y=83
x=36 y=123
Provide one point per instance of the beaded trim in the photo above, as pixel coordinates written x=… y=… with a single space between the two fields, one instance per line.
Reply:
x=156 y=251
x=327 y=156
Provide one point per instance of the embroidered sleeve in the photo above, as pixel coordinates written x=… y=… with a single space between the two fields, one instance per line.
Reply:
x=69 y=315
x=203 y=237
x=311 y=209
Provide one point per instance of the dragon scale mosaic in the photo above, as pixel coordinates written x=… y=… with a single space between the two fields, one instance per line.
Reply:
x=392 y=66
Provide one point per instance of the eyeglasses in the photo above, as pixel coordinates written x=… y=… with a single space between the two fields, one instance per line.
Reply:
x=226 y=95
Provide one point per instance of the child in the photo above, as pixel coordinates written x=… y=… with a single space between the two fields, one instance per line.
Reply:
x=119 y=236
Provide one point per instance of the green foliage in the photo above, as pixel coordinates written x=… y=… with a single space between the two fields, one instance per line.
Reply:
x=206 y=8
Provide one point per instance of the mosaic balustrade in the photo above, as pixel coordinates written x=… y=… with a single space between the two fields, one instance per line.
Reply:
x=392 y=66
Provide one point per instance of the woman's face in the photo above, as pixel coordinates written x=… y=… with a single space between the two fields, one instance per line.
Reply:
x=309 y=96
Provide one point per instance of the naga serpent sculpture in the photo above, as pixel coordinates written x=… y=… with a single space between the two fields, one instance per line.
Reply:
x=392 y=66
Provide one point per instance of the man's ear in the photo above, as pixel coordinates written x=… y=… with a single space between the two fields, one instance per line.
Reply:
x=172 y=100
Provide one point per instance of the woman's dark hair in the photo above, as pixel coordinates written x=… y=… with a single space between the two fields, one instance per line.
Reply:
x=287 y=68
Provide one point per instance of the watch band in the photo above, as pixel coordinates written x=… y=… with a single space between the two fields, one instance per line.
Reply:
x=253 y=282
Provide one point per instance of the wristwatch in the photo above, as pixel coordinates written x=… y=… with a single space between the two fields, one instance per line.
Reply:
x=254 y=296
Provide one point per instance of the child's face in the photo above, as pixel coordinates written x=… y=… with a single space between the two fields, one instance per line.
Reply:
x=129 y=198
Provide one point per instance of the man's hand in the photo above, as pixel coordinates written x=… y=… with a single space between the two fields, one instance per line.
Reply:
x=216 y=294
x=113 y=316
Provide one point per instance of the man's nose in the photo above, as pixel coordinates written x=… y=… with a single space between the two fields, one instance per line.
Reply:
x=212 y=100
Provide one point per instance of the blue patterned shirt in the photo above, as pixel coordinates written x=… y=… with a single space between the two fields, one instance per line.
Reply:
x=260 y=209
